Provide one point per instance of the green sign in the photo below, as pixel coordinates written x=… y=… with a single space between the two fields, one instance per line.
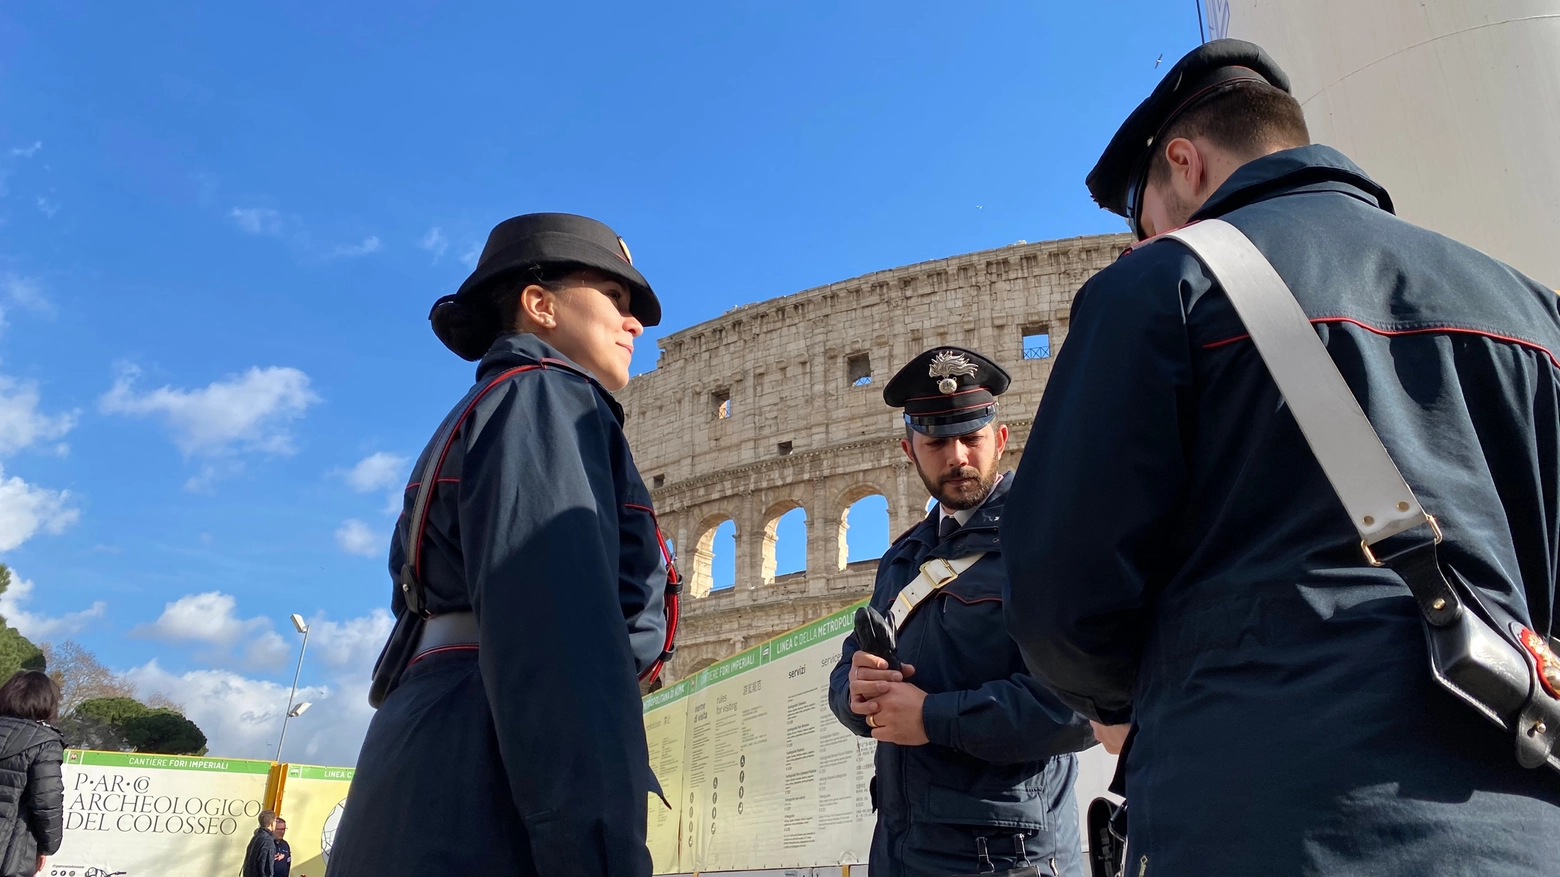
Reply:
x=315 y=772
x=818 y=631
x=90 y=758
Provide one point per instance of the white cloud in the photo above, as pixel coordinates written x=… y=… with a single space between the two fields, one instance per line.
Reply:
x=27 y=151
x=49 y=208
x=353 y=643
x=242 y=716
x=380 y=471
x=25 y=292
x=370 y=244
x=472 y=253
x=435 y=243
x=36 y=626
x=21 y=423
x=209 y=618
x=205 y=481
x=258 y=220
x=267 y=649
x=26 y=510
x=376 y=472
x=355 y=537
x=251 y=412
x=204 y=618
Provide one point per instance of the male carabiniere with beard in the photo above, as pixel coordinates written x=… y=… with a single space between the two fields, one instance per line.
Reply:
x=975 y=769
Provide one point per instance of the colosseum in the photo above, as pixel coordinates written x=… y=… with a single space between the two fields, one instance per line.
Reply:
x=778 y=405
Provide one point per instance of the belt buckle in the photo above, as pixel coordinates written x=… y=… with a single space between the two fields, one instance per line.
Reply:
x=950 y=575
x=1370 y=556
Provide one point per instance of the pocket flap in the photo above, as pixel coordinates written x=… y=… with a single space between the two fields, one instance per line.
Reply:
x=1011 y=808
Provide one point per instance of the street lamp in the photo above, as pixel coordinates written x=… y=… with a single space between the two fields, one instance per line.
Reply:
x=292 y=711
x=299 y=710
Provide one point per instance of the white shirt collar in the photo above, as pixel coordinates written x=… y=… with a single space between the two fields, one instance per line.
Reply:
x=963 y=515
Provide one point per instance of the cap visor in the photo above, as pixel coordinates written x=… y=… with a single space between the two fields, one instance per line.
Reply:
x=940 y=427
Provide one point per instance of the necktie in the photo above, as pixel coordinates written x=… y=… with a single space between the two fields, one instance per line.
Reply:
x=946 y=528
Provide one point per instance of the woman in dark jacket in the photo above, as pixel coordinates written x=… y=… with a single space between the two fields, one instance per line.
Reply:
x=512 y=741
x=32 y=795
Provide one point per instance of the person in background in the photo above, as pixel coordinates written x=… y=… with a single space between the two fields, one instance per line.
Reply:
x=260 y=857
x=975 y=765
x=283 y=852
x=32 y=794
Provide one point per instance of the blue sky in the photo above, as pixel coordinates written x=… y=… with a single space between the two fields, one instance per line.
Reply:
x=221 y=227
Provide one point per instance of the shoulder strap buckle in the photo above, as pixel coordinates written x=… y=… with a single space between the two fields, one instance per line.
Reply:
x=939 y=577
x=1370 y=556
x=412 y=592
x=927 y=582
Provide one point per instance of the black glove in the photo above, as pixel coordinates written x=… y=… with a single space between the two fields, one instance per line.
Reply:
x=875 y=636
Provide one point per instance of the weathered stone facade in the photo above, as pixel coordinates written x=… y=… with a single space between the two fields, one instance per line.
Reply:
x=762 y=411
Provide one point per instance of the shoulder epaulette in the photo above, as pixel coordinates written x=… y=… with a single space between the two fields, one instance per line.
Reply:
x=902 y=536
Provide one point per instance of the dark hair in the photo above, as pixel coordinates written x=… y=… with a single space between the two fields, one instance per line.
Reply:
x=30 y=694
x=1246 y=118
x=471 y=324
x=505 y=291
x=267 y=818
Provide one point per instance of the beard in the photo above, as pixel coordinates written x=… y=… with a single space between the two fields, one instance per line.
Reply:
x=1180 y=210
x=960 y=489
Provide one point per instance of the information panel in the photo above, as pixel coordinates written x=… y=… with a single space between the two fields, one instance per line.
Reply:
x=312 y=801
x=166 y=815
x=759 y=772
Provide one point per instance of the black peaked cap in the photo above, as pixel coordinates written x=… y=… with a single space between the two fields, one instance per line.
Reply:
x=947 y=391
x=1204 y=70
x=541 y=239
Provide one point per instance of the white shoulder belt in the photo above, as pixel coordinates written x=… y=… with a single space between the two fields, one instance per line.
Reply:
x=1479 y=652
x=934 y=574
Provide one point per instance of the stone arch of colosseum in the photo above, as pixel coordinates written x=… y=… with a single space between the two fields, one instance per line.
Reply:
x=839 y=517
x=767 y=563
x=778 y=405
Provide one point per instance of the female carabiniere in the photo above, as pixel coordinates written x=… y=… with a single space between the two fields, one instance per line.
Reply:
x=531 y=587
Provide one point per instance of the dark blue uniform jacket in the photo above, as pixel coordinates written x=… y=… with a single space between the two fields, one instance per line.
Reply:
x=1177 y=557
x=260 y=855
x=999 y=762
x=527 y=756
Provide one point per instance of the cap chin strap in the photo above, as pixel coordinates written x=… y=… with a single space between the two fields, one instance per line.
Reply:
x=1136 y=188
